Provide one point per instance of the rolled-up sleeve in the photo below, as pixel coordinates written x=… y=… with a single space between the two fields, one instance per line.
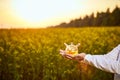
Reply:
x=106 y=62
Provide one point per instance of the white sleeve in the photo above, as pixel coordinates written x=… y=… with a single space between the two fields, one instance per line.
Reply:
x=106 y=62
x=113 y=55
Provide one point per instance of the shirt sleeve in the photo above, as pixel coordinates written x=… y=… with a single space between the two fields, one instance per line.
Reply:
x=106 y=62
x=113 y=55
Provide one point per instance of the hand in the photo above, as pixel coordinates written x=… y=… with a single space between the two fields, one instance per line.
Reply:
x=77 y=57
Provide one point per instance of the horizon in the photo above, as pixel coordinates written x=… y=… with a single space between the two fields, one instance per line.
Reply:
x=20 y=14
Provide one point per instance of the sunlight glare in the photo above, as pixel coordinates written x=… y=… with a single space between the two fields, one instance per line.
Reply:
x=41 y=10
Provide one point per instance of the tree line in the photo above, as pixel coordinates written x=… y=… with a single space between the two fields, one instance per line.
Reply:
x=102 y=19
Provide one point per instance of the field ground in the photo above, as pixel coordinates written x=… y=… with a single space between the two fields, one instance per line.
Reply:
x=33 y=54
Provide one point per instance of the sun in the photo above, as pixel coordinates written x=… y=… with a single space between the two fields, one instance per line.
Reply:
x=32 y=10
x=42 y=10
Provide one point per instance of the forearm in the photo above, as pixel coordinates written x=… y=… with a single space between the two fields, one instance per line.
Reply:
x=103 y=63
x=113 y=55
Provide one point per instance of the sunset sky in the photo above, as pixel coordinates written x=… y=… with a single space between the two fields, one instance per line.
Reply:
x=42 y=13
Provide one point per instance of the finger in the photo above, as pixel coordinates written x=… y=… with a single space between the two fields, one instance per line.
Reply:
x=71 y=58
x=68 y=57
x=61 y=50
x=63 y=53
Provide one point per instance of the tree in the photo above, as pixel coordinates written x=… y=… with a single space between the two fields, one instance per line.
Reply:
x=102 y=19
x=115 y=17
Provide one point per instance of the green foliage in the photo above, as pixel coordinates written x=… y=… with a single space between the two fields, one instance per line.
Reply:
x=33 y=54
x=101 y=19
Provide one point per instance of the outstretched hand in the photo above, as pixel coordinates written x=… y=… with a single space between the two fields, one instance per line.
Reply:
x=77 y=57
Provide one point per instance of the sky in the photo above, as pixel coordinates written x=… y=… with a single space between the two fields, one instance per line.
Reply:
x=43 y=13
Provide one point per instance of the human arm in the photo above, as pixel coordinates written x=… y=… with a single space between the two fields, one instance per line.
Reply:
x=103 y=63
x=113 y=55
x=107 y=62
